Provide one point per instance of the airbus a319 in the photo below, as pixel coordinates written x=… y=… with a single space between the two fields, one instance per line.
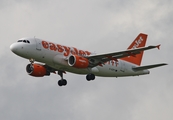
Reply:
x=55 y=58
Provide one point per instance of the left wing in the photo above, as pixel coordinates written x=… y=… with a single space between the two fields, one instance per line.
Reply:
x=102 y=58
x=148 y=67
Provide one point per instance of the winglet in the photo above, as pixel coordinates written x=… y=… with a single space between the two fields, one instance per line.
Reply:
x=158 y=46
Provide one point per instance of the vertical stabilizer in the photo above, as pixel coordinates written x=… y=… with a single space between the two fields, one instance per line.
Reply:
x=140 y=41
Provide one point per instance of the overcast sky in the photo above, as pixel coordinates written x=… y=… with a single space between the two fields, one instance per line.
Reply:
x=99 y=26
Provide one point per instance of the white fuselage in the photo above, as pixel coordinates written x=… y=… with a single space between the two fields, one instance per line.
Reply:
x=58 y=59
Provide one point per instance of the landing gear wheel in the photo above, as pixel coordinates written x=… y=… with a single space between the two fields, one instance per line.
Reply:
x=90 y=77
x=62 y=82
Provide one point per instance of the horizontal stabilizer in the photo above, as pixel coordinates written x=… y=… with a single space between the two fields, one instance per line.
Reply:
x=148 y=67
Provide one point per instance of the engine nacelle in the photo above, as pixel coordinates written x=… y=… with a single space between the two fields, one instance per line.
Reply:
x=36 y=70
x=78 y=61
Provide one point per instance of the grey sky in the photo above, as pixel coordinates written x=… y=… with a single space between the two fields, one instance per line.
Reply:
x=96 y=25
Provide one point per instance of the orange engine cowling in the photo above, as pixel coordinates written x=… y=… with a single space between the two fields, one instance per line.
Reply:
x=36 y=70
x=78 y=61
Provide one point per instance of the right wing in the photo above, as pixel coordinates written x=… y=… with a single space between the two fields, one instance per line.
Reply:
x=102 y=58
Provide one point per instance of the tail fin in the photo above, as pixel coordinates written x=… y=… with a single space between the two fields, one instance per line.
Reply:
x=138 y=42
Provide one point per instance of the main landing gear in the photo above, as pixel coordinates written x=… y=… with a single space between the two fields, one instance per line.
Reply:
x=90 y=77
x=62 y=82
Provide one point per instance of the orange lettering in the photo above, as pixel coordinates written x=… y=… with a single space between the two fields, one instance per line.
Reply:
x=64 y=49
x=60 y=49
x=112 y=62
x=81 y=52
x=87 y=53
x=67 y=50
x=45 y=44
x=75 y=50
x=52 y=46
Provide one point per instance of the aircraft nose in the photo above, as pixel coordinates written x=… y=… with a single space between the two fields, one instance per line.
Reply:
x=13 y=48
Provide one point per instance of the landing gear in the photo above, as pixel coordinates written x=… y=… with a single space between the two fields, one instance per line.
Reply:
x=90 y=77
x=62 y=82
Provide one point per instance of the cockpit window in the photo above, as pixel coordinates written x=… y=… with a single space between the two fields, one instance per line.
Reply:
x=25 y=41
x=19 y=41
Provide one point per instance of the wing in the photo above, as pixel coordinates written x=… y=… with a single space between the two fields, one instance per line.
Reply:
x=102 y=58
x=148 y=67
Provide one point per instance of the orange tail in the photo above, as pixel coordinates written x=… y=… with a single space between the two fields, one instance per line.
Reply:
x=138 y=42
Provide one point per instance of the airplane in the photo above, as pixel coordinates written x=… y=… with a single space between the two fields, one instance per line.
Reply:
x=55 y=58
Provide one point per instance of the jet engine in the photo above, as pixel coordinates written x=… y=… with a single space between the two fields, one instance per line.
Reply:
x=78 y=61
x=36 y=70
